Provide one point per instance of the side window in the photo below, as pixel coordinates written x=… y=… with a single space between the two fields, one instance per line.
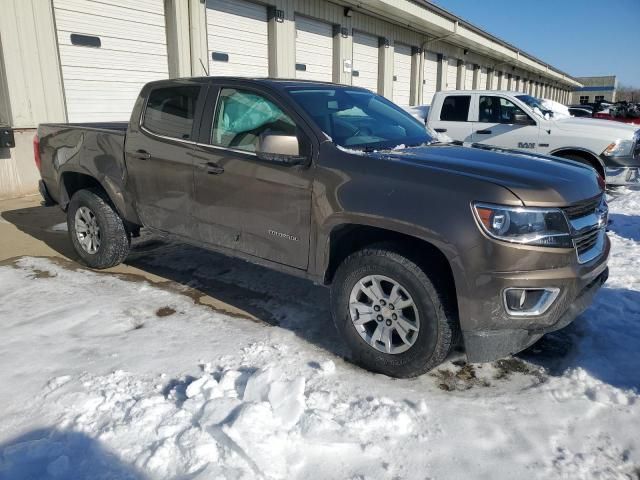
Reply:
x=242 y=116
x=584 y=99
x=170 y=111
x=497 y=110
x=455 y=108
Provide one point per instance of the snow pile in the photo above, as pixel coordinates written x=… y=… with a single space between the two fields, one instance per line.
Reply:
x=419 y=112
x=109 y=377
x=559 y=110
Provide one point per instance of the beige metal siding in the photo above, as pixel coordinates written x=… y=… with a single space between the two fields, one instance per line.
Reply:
x=237 y=34
x=102 y=84
x=314 y=49
x=365 y=61
x=402 y=74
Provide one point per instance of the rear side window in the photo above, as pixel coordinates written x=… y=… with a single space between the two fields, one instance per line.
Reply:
x=455 y=108
x=170 y=111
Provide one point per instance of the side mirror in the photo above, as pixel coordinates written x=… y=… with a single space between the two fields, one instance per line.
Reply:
x=279 y=148
x=522 y=119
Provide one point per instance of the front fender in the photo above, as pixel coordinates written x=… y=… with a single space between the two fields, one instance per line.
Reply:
x=447 y=249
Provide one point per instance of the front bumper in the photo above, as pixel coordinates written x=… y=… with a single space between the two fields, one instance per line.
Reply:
x=503 y=335
x=622 y=176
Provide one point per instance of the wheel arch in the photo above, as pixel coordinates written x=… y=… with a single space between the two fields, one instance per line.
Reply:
x=587 y=155
x=73 y=180
x=347 y=238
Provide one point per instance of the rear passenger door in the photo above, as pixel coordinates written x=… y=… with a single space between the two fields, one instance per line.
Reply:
x=242 y=202
x=496 y=124
x=158 y=155
x=454 y=118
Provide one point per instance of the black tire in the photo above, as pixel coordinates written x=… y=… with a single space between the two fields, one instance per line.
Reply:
x=438 y=326
x=114 y=238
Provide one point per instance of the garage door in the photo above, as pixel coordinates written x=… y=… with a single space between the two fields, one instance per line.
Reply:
x=314 y=50
x=468 y=76
x=108 y=51
x=365 y=61
x=402 y=74
x=430 y=83
x=237 y=38
x=452 y=74
x=483 y=79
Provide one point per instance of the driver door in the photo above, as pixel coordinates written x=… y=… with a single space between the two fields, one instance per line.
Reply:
x=244 y=203
x=501 y=123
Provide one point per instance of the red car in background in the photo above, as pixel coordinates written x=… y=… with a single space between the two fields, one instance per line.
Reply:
x=621 y=112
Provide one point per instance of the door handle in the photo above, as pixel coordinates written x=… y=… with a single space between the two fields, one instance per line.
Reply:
x=141 y=155
x=483 y=132
x=440 y=130
x=213 y=168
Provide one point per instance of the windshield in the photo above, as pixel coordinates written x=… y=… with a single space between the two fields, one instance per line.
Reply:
x=359 y=119
x=535 y=105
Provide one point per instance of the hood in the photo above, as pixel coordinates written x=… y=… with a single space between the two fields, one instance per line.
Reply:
x=586 y=126
x=537 y=180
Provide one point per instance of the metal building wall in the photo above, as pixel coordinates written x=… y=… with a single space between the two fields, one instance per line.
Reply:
x=31 y=87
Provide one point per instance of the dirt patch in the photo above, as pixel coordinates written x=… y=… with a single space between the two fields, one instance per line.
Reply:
x=42 y=274
x=165 y=312
x=463 y=378
x=508 y=366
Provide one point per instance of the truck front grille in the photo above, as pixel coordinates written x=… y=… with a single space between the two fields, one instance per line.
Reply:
x=588 y=220
x=582 y=209
x=586 y=242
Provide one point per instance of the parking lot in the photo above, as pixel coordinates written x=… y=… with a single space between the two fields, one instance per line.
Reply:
x=186 y=364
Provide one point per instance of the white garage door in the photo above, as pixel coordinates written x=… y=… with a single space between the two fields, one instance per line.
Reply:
x=430 y=84
x=314 y=50
x=237 y=38
x=483 y=79
x=452 y=74
x=468 y=76
x=108 y=51
x=402 y=74
x=365 y=61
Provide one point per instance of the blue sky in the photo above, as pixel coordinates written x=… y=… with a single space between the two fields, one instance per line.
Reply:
x=581 y=37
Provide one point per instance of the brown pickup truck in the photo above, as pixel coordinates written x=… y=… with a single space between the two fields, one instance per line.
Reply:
x=419 y=240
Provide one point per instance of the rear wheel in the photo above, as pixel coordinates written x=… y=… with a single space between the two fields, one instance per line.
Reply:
x=96 y=230
x=390 y=314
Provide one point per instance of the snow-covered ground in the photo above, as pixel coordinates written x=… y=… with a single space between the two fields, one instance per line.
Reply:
x=107 y=377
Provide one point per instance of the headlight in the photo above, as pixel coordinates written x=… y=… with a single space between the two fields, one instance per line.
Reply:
x=545 y=227
x=619 y=148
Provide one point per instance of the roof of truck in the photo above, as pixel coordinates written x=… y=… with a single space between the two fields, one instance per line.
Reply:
x=283 y=81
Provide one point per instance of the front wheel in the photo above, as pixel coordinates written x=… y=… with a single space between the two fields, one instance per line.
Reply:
x=390 y=314
x=96 y=230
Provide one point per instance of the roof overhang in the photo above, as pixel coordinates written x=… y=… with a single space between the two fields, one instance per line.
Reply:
x=436 y=22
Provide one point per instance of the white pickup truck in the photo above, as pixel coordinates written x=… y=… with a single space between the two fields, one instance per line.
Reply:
x=518 y=121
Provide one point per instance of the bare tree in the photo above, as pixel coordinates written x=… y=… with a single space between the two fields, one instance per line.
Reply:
x=628 y=93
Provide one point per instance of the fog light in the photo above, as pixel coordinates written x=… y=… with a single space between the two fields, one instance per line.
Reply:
x=521 y=302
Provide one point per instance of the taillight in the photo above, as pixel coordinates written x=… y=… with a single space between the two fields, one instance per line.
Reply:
x=36 y=152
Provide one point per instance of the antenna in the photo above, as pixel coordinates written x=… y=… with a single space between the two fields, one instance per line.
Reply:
x=203 y=67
